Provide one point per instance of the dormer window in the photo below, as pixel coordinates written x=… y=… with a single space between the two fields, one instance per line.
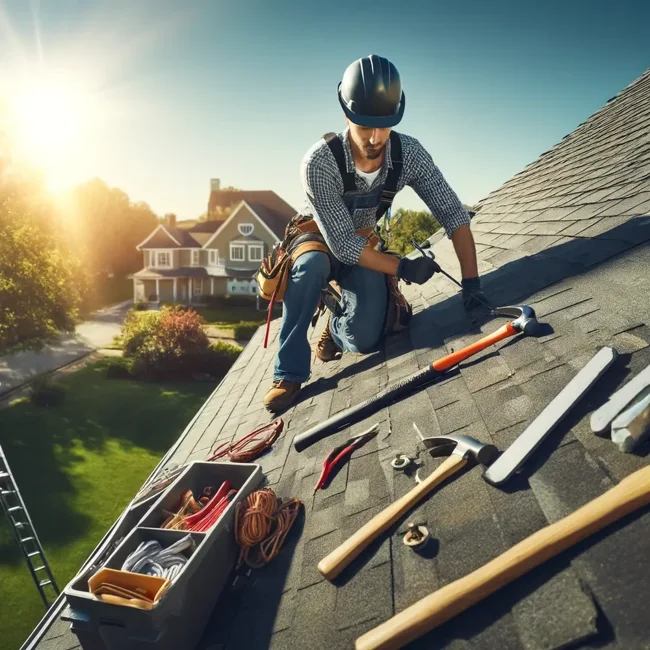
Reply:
x=246 y=228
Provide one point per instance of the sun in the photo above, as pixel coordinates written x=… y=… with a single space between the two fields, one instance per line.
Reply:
x=51 y=122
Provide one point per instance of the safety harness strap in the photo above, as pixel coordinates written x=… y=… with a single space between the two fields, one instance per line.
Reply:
x=336 y=147
x=392 y=178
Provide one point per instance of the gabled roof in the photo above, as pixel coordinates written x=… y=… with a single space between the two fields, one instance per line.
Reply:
x=273 y=222
x=162 y=237
x=185 y=237
x=276 y=221
x=273 y=211
x=209 y=226
x=268 y=198
x=585 y=271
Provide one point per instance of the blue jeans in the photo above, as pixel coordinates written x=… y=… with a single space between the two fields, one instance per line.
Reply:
x=357 y=325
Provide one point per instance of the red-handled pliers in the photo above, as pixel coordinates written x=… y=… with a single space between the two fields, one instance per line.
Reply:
x=342 y=452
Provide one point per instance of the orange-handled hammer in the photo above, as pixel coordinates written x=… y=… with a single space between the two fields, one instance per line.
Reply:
x=523 y=321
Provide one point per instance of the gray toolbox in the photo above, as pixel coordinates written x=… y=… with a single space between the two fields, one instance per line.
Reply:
x=178 y=619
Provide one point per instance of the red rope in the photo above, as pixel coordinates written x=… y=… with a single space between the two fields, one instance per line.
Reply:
x=251 y=446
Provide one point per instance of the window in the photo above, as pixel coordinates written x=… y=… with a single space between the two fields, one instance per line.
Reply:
x=255 y=252
x=163 y=259
x=245 y=228
x=195 y=258
x=198 y=286
x=213 y=257
x=237 y=252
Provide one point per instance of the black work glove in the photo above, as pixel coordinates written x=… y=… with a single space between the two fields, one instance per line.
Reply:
x=473 y=294
x=418 y=270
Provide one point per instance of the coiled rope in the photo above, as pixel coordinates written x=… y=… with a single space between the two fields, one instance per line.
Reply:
x=262 y=522
x=150 y=558
x=251 y=446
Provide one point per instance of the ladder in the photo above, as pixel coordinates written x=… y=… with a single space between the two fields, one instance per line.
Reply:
x=26 y=537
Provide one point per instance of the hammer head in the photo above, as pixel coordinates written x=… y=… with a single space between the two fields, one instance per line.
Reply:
x=524 y=318
x=463 y=446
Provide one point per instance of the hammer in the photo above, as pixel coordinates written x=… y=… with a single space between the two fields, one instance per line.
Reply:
x=523 y=321
x=463 y=450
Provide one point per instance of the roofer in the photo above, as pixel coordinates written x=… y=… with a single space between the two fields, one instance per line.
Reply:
x=349 y=180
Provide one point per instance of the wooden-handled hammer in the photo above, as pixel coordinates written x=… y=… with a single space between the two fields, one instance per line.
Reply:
x=463 y=449
x=433 y=610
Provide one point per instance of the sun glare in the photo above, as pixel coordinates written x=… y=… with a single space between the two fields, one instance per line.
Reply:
x=51 y=121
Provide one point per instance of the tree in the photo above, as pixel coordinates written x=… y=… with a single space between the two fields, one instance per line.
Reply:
x=39 y=281
x=107 y=227
x=408 y=225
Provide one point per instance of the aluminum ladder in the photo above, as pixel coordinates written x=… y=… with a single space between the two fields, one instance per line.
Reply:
x=23 y=530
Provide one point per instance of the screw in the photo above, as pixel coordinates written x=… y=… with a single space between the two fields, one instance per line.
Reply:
x=414 y=532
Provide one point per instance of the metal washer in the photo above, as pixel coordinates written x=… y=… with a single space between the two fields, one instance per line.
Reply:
x=400 y=462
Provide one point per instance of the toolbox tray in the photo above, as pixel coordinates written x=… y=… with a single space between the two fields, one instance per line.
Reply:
x=178 y=619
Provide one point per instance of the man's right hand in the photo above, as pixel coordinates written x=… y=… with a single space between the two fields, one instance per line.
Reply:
x=417 y=270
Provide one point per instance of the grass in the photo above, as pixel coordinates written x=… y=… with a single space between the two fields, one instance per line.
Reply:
x=77 y=466
x=228 y=320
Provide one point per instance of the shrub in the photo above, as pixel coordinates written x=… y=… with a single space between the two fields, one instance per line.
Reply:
x=220 y=358
x=118 y=369
x=169 y=344
x=138 y=328
x=224 y=302
x=140 y=306
x=45 y=392
x=245 y=329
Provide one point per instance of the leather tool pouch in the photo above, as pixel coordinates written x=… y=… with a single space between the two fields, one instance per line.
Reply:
x=301 y=236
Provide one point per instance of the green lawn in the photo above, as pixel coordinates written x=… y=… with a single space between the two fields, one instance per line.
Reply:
x=78 y=465
x=226 y=319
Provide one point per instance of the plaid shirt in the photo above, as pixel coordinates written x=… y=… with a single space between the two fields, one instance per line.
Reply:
x=323 y=185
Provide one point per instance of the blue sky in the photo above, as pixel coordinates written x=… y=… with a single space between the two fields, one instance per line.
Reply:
x=240 y=89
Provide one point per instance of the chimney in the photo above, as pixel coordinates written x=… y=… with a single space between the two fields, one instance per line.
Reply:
x=215 y=184
x=171 y=220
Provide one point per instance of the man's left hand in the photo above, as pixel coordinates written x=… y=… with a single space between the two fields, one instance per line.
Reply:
x=473 y=296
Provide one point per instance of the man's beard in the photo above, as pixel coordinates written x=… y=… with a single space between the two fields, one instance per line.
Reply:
x=372 y=153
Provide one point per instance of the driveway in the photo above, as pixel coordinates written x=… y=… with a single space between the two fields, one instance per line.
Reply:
x=16 y=369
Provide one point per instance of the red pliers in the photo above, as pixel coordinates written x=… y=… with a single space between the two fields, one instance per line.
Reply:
x=342 y=452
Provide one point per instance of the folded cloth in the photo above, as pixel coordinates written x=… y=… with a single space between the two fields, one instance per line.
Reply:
x=150 y=558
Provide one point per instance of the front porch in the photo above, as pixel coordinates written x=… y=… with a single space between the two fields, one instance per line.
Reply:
x=186 y=290
x=189 y=285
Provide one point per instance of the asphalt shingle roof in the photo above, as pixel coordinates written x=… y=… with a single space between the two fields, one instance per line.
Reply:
x=557 y=238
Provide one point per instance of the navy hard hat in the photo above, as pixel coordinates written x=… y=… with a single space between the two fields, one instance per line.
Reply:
x=371 y=93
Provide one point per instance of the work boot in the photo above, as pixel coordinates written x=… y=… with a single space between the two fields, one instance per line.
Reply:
x=282 y=395
x=326 y=348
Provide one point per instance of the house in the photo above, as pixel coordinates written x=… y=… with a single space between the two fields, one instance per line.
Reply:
x=216 y=257
x=568 y=235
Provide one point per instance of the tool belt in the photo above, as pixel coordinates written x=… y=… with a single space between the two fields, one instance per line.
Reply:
x=303 y=236
x=300 y=236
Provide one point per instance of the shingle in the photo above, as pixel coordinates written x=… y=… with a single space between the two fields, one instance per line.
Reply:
x=569 y=614
x=314 y=551
x=620 y=589
x=634 y=205
x=353 y=604
x=503 y=406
